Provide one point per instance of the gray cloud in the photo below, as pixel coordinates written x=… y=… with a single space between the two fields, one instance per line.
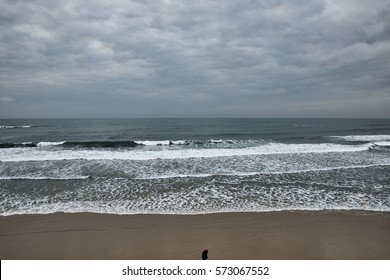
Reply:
x=296 y=58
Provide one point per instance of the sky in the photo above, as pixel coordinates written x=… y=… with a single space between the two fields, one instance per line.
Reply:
x=265 y=58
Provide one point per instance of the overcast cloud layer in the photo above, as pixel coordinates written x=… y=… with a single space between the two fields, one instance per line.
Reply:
x=119 y=58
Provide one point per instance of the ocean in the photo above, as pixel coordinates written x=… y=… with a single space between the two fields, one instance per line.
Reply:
x=193 y=166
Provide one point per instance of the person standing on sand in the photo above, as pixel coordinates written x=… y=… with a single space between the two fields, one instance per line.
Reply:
x=204 y=255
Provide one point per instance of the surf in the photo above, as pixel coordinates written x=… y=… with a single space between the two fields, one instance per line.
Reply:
x=23 y=154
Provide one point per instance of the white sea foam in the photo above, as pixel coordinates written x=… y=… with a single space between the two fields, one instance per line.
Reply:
x=15 y=126
x=363 y=138
x=382 y=143
x=120 y=209
x=167 y=176
x=120 y=196
x=22 y=154
x=380 y=146
x=187 y=142
x=42 y=178
x=46 y=144
x=153 y=143
x=179 y=142
x=7 y=126
x=247 y=174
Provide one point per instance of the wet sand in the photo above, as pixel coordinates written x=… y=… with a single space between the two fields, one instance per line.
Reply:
x=273 y=235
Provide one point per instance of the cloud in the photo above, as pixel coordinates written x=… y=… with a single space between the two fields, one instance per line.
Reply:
x=195 y=58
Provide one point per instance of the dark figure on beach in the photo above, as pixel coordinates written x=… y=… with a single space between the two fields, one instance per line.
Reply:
x=204 y=255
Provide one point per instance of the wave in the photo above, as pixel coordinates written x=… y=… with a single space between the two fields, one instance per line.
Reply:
x=153 y=143
x=44 y=178
x=249 y=174
x=380 y=146
x=88 y=144
x=198 y=142
x=48 y=144
x=142 y=154
x=102 y=144
x=15 y=126
x=135 y=143
x=211 y=143
x=362 y=138
x=64 y=208
x=117 y=208
x=17 y=145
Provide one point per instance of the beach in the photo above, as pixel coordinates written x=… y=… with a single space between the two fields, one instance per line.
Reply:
x=268 y=235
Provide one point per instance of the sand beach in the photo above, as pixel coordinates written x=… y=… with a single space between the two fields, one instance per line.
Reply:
x=267 y=235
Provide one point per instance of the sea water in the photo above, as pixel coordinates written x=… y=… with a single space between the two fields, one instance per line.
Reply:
x=192 y=166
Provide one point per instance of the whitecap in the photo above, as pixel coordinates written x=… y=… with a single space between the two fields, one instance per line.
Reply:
x=46 y=144
x=19 y=154
x=363 y=138
x=153 y=143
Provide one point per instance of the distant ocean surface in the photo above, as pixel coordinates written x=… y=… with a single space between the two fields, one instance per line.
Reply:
x=193 y=166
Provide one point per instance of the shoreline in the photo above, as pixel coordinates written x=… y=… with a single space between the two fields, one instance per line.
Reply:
x=304 y=235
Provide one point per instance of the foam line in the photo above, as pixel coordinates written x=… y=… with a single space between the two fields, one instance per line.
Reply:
x=245 y=174
x=46 y=144
x=42 y=178
x=65 y=208
x=21 y=154
x=363 y=138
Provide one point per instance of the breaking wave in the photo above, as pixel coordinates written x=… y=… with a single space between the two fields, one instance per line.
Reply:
x=380 y=146
x=15 y=126
x=42 y=178
x=362 y=138
x=22 y=154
